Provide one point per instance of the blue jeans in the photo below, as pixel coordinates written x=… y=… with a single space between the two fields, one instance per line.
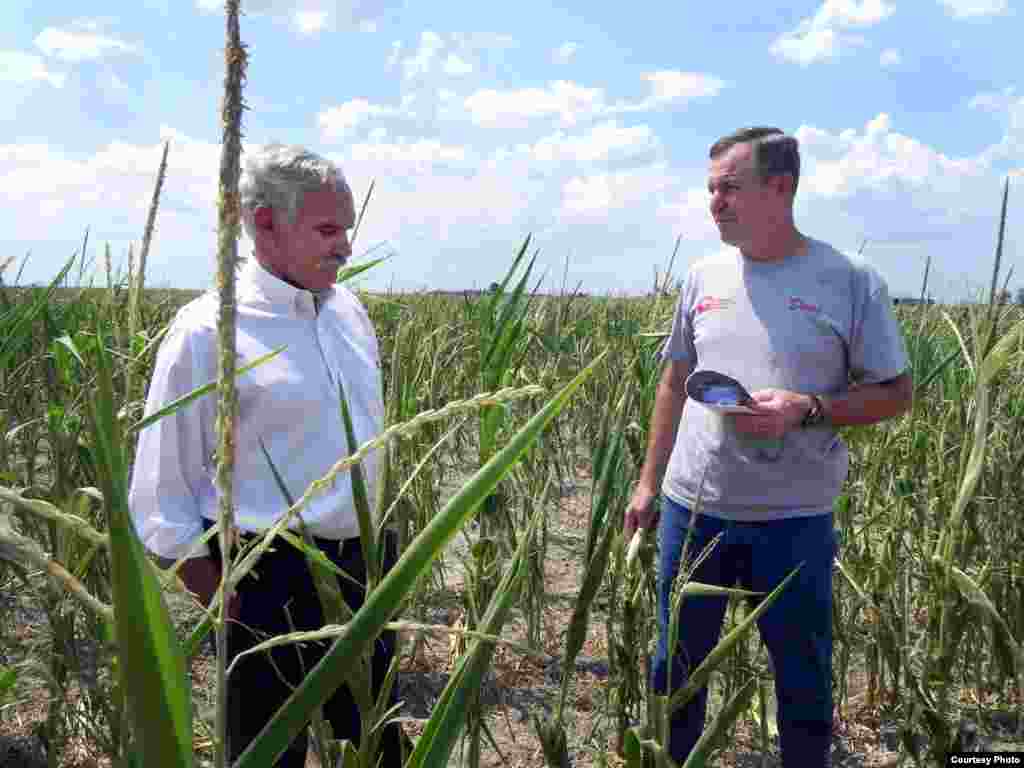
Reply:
x=797 y=628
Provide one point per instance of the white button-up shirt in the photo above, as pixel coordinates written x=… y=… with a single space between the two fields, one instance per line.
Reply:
x=291 y=403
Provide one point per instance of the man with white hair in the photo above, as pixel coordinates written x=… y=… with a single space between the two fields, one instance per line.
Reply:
x=298 y=210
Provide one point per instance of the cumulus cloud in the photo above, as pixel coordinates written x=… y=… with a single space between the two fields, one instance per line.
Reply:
x=601 y=193
x=75 y=45
x=456 y=65
x=674 y=87
x=310 y=23
x=312 y=12
x=962 y=9
x=890 y=58
x=1008 y=108
x=604 y=141
x=422 y=60
x=339 y=122
x=995 y=101
x=828 y=32
x=420 y=156
x=568 y=101
x=18 y=67
x=572 y=103
x=564 y=53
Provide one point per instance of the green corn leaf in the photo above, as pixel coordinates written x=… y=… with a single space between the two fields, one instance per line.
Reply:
x=367 y=530
x=346 y=273
x=198 y=392
x=8 y=678
x=697 y=589
x=14 y=322
x=152 y=666
x=380 y=604
x=700 y=675
x=632 y=750
x=442 y=730
x=999 y=356
x=974 y=595
x=713 y=735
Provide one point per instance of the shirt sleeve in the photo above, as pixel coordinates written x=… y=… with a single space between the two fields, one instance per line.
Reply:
x=877 y=350
x=679 y=344
x=169 y=471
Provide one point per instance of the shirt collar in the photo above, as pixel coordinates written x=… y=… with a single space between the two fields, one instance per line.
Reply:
x=255 y=283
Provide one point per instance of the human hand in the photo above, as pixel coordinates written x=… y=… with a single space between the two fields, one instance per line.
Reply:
x=201 y=576
x=641 y=512
x=777 y=412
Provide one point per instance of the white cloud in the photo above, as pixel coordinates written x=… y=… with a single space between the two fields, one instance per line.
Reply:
x=1009 y=109
x=310 y=23
x=565 y=100
x=395 y=55
x=18 y=67
x=671 y=86
x=597 y=145
x=76 y=45
x=962 y=9
x=879 y=167
x=109 y=192
x=339 y=122
x=421 y=156
x=456 y=65
x=422 y=61
x=890 y=58
x=564 y=53
x=115 y=83
x=572 y=103
x=826 y=34
x=689 y=213
x=358 y=13
x=994 y=102
x=600 y=193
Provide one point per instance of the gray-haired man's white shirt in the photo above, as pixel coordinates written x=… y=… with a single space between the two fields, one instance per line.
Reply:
x=290 y=404
x=812 y=323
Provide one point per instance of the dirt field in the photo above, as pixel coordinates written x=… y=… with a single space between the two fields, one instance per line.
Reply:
x=517 y=687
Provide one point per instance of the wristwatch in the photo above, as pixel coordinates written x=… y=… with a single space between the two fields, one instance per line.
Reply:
x=815 y=415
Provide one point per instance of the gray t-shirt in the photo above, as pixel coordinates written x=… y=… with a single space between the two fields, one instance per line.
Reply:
x=812 y=323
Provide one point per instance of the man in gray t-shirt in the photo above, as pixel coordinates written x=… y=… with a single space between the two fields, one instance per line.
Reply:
x=811 y=335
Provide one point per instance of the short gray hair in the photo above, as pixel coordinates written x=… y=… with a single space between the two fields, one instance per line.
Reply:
x=279 y=175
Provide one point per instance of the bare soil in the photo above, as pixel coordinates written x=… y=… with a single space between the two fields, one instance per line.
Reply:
x=517 y=687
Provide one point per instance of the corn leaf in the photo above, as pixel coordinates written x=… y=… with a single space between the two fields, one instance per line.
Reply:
x=332 y=671
x=700 y=675
x=435 y=744
x=151 y=663
x=712 y=736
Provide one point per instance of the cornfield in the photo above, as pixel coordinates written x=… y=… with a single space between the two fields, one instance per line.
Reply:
x=497 y=403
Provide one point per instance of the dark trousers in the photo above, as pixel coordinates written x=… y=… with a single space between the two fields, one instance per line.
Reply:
x=280 y=588
x=796 y=629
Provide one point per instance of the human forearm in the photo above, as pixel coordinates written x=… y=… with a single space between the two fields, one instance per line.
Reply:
x=668 y=409
x=870 y=403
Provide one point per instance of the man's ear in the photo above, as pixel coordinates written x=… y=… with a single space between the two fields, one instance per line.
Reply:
x=264 y=219
x=782 y=184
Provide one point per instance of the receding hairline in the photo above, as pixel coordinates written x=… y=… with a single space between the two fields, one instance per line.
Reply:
x=783 y=159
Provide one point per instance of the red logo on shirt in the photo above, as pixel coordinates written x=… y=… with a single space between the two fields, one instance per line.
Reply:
x=796 y=303
x=709 y=303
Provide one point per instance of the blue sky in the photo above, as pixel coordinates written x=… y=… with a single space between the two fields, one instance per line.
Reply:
x=584 y=124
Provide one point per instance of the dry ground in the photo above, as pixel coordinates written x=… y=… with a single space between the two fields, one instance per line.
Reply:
x=518 y=686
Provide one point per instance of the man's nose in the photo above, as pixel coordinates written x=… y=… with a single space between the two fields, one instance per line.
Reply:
x=343 y=246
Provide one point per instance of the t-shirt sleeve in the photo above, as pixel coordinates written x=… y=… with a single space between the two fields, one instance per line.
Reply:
x=877 y=350
x=679 y=345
